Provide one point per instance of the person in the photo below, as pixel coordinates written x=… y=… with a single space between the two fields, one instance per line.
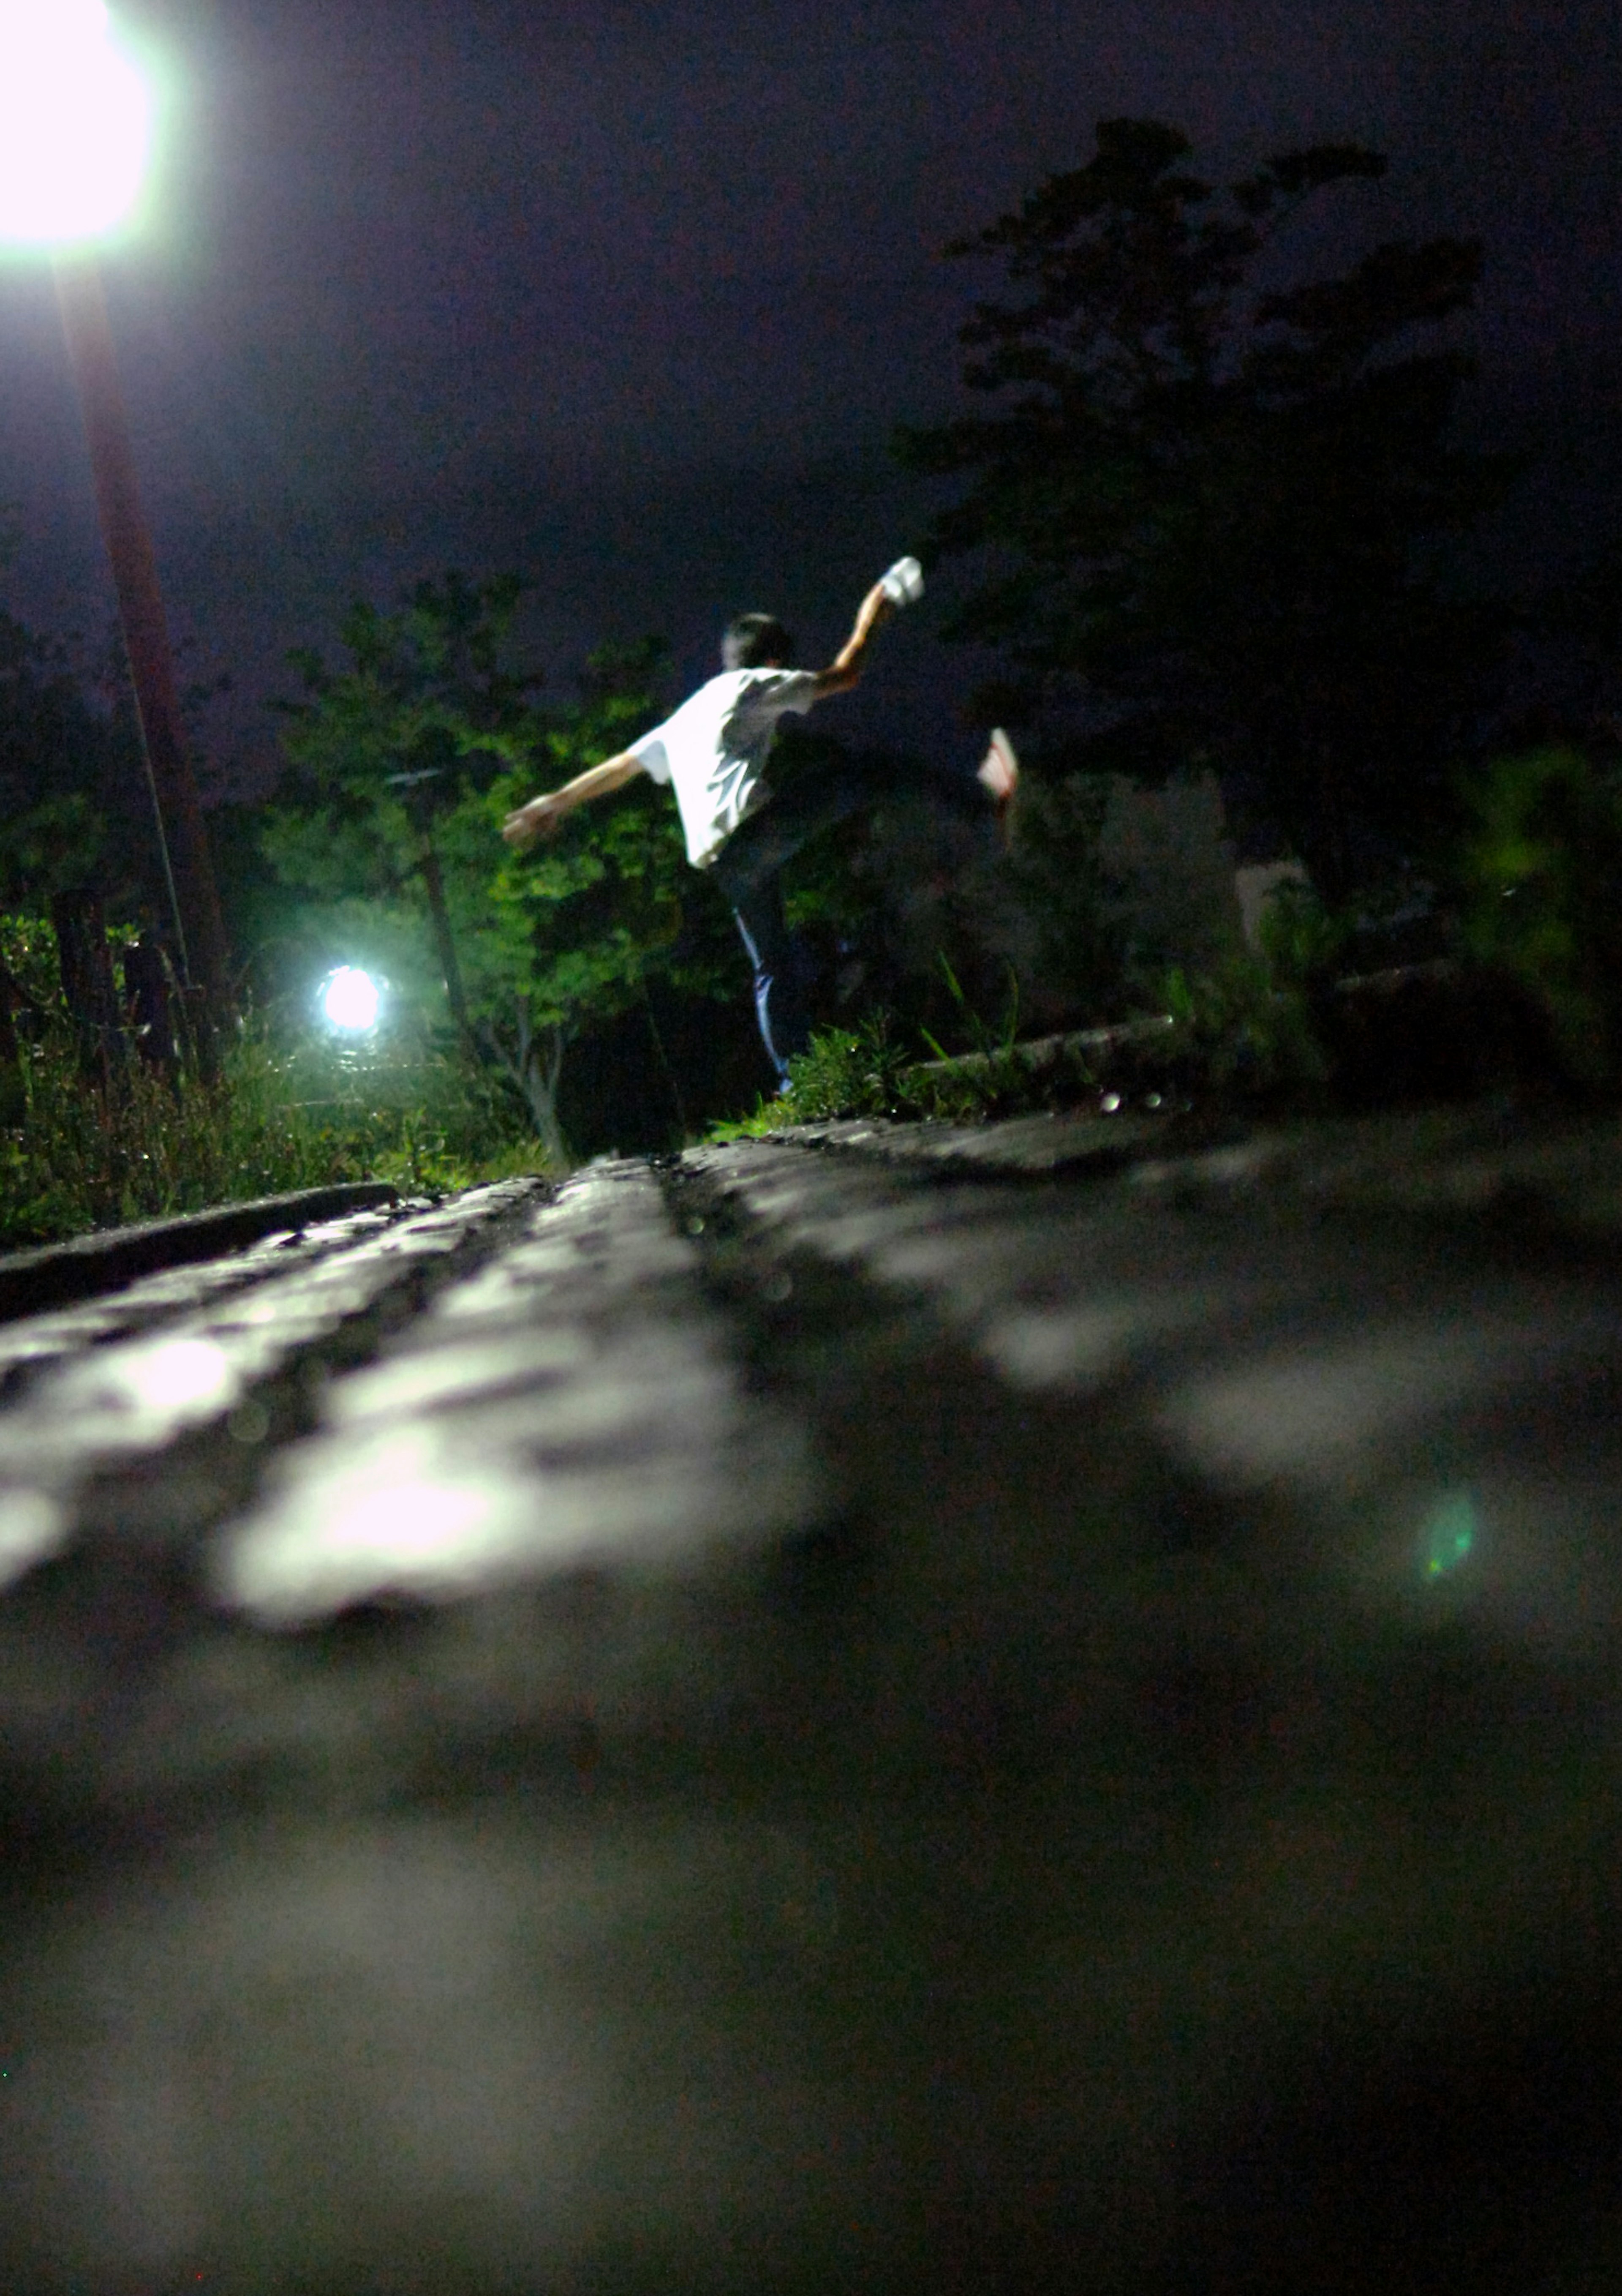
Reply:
x=714 y=753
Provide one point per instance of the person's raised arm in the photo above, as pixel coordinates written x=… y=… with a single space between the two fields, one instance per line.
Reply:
x=541 y=816
x=843 y=671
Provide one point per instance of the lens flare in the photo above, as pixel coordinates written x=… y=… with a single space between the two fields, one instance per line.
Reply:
x=75 y=123
x=350 y=999
x=1448 y=1536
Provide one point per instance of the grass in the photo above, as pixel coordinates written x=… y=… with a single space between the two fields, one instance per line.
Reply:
x=1234 y=1035
x=287 y=1110
x=866 y=1072
x=85 y=1148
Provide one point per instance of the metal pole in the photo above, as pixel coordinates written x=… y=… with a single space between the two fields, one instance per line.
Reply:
x=181 y=833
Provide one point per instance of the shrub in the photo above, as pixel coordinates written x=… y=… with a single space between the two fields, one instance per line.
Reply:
x=1538 y=871
x=1240 y=1027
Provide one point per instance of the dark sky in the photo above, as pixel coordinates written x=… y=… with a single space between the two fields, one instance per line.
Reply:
x=629 y=295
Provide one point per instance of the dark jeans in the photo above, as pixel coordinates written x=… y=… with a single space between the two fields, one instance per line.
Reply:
x=749 y=870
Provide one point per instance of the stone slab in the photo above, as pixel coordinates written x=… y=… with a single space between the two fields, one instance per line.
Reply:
x=1559 y=1174
x=56 y=1272
x=1025 y=1146
x=83 y=1426
x=570 y=1407
x=801 y=1718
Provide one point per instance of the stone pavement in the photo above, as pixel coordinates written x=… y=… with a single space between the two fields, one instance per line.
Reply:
x=1019 y=1709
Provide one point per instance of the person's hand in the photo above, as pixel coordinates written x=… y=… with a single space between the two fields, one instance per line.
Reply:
x=539 y=818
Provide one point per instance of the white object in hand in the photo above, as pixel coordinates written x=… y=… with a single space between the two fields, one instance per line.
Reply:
x=903 y=585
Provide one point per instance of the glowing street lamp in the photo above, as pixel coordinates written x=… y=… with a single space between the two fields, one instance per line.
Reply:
x=350 y=999
x=74 y=124
x=75 y=136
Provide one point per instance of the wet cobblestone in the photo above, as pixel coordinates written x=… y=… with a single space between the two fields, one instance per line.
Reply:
x=570 y=1406
x=870 y=1710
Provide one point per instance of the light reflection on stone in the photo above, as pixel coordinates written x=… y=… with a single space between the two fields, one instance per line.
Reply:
x=182 y=1376
x=462 y=1505
x=1080 y=1347
x=32 y=1525
x=389 y=1519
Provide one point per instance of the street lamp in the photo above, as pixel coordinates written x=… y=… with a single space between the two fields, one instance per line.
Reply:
x=349 y=1000
x=74 y=134
x=74 y=124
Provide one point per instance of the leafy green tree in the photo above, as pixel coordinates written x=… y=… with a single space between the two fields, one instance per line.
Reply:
x=565 y=940
x=380 y=750
x=402 y=766
x=1209 y=512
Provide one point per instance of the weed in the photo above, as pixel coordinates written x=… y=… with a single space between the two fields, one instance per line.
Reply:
x=1237 y=1027
x=843 y=1072
x=1224 y=1033
x=1537 y=874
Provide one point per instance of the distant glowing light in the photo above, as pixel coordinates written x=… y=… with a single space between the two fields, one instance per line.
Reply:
x=76 y=122
x=350 y=999
x=1449 y=1535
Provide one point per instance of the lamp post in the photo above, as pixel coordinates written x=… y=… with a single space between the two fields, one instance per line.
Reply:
x=75 y=119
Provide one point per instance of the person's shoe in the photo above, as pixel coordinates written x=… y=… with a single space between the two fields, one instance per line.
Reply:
x=998 y=775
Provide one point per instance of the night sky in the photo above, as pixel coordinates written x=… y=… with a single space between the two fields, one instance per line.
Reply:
x=630 y=295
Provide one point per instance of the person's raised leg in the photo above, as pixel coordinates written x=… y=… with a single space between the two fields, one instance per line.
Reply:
x=747 y=873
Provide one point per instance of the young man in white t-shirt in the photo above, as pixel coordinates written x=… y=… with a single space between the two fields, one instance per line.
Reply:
x=713 y=751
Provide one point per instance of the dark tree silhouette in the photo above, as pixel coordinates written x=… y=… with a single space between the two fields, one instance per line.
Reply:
x=1208 y=513
x=72 y=788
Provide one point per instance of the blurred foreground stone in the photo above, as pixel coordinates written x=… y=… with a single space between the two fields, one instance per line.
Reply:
x=886 y=1709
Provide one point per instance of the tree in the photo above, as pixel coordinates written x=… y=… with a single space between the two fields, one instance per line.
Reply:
x=567 y=939
x=379 y=751
x=72 y=792
x=402 y=766
x=1209 y=514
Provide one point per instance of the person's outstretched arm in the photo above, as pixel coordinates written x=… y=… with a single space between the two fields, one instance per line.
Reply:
x=843 y=671
x=541 y=816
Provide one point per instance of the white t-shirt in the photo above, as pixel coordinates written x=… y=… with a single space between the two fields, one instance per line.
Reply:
x=713 y=751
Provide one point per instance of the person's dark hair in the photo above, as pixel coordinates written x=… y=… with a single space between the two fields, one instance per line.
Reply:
x=753 y=641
